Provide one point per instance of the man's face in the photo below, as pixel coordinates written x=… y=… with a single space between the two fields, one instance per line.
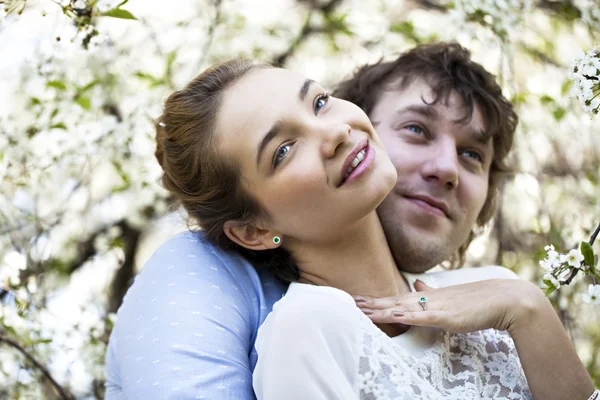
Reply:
x=443 y=168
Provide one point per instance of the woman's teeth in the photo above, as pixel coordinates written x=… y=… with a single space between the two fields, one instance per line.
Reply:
x=359 y=157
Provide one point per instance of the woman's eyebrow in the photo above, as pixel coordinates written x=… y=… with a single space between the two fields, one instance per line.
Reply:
x=276 y=128
x=304 y=89
x=271 y=134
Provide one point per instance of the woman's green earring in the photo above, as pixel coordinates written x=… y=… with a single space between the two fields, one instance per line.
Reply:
x=276 y=239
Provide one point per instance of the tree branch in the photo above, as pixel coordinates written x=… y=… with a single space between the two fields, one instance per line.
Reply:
x=307 y=30
x=594 y=235
x=124 y=275
x=211 y=34
x=591 y=242
x=64 y=394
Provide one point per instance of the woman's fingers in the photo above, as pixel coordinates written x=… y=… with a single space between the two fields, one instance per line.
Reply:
x=409 y=301
x=433 y=318
x=420 y=286
x=383 y=303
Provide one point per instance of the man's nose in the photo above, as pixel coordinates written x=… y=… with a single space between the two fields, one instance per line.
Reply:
x=334 y=136
x=442 y=167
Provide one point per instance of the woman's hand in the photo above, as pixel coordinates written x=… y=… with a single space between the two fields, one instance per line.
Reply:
x=501 y=304
x=550 y=363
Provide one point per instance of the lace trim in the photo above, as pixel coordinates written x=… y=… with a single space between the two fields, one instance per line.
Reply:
x=480 y=365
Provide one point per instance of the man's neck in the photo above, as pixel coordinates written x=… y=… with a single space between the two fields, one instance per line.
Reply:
x=358 y=261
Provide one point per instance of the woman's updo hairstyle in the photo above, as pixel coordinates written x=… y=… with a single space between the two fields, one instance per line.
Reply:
x=205 y=182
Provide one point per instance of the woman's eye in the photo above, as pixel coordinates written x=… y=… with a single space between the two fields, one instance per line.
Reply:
x=416 y=129
x=281 y=153
x=321 y=102
x=475 y=155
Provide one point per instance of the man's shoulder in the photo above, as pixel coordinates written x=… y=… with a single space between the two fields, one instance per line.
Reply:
x=471 y=274
x=194 y=244
x=189 y=265
x=191 y=252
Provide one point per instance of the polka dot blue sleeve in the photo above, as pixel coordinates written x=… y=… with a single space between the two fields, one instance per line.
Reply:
x=187 y=326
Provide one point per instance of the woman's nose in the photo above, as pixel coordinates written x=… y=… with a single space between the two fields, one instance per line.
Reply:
x=334 y=138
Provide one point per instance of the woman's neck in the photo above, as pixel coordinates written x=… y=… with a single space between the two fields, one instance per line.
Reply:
x=358 y=261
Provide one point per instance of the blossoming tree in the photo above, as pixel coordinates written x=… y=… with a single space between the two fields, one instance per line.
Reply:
x=81 y=205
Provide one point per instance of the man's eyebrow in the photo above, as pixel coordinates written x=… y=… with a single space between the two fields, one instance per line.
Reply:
x=427 y=111
x=271 y=134
x=304 y=89
x=481 y=136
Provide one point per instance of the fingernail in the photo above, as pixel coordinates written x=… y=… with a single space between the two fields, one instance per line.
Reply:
x=367 y=311
x=360 y=299
x=398 y=313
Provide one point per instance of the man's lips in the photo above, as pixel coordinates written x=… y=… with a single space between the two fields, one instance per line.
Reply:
x=431 y=203
x=362 y=144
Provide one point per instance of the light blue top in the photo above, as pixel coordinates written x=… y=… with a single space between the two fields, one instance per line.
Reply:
x=187 y=326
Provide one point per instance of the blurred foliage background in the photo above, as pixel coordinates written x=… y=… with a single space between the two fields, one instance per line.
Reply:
x=81 y=207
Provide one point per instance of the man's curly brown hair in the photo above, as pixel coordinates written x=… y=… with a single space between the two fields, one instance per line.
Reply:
x=448 y=68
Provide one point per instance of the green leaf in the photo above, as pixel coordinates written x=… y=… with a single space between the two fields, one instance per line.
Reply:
x=33 y=342
x=144 y=76
x=559 y=113
x=566 y=86
x=87 y=87
x=35 y=101
x=336 y=23
x=588 y=254
x=519 y=98
x=60 y=125
x=118 y=13
x=406 y=29
x=60 y=85
x=549 y=290
x=545 y=100
x=84 y=102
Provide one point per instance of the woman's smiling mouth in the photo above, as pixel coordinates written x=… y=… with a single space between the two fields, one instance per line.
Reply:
x=357 y=162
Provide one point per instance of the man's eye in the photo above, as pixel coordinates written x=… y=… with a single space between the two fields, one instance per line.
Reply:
x=416 y=129
x=475 y=155
x=320 y=102
x=281 y=153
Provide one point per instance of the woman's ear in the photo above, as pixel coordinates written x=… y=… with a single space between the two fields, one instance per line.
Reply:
x=250 y=236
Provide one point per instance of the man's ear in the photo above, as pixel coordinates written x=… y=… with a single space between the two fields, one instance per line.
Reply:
x=250 y=236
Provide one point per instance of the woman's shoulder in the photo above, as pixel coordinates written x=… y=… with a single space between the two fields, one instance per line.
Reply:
x=307 y=311
x=315 y=303
x=472 y=274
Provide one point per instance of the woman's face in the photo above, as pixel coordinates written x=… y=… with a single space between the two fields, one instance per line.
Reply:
x=313 y=162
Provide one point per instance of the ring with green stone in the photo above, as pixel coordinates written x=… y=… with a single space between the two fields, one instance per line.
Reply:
x=423 y=303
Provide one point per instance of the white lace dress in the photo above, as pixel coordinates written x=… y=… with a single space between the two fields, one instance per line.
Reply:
x=316 y=344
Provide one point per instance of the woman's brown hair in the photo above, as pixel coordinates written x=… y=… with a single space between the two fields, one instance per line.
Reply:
x=205 y=182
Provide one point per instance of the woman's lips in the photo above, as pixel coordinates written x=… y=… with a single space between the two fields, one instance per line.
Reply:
x=362 y=167
x=360 y=146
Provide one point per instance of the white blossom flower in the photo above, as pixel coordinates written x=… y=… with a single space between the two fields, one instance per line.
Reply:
x=592 y=296
x=553 y=259
x=574 y=258
x=501 y=16
x=584 y=71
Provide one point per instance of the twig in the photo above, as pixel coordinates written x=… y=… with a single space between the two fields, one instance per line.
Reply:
x=594 y=235
x=307 y=30
x=591 y=242
x=210 y=34
x=64 y=394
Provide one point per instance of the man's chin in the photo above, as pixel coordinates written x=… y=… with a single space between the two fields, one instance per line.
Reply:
x=416 y=269
x=418 y=261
